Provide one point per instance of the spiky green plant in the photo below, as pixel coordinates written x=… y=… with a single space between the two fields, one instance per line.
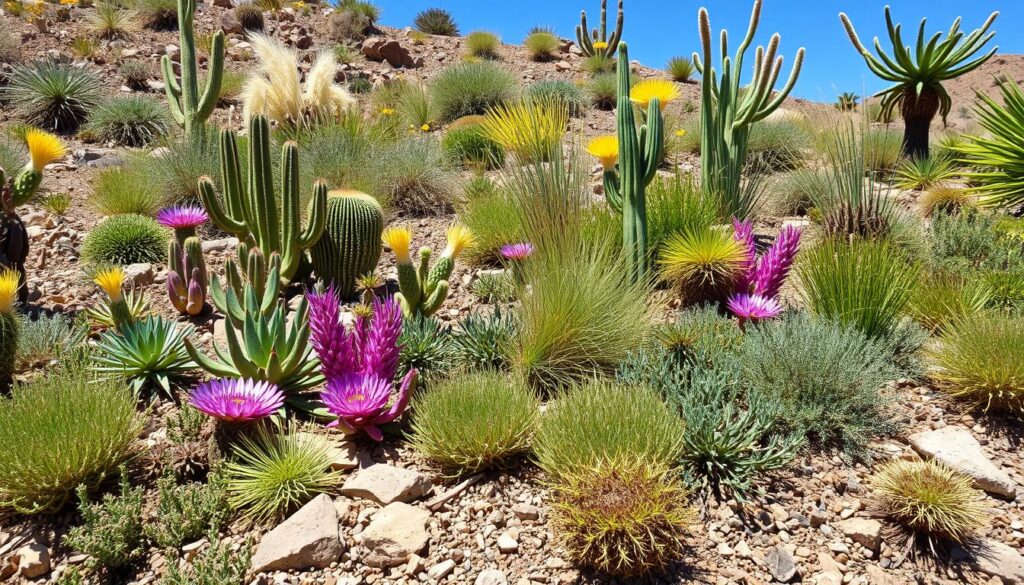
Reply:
x=728 y=111
x=249 y=16
x=124 y=189
x=125 y=239
x=530 y=128
x=482 y=342
x=703 y=262
x=597 y=41
x=603 y=90
x=129 y=121
x=470 y=147
x=542 y=45
x=559 y=89
x=482 y=44
x=917 y=78
x=218 y=564
x=350 y=246
x=424 y=288
x=475 y=422
x=158 y=14
x=941 y=299
x=190 y=108
x=436 y=21
x=148 y=353
x=945 y=200
x=924 y=173
x=680 y=69
x=847 y=102
x=426 y=347
x=111 y=21
x=49 y=337
x=471 y=88
x=52 y=95
x=996 y=159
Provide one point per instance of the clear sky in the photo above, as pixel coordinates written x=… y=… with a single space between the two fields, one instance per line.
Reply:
x=659 y=29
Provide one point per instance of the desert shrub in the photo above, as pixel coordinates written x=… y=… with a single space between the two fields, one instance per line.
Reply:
x=883 y=149
x=135 y=73
x=340 y=155
x=680 y=69
x=947 y=200
x=794 y=192
x=495 y=288
x=971 y=240
x=10 y=48
x=272 y=474
x=52 y=95
x=541 y=45
x=471 y=88
x=59 y=432
x=603 y=420
x=56 y=203
x=249 y=16
x=864 y=284
x=363 y=8
x=923 y=173
x=427 y=347
x=184 y=513
x=493 y=219
x=129 y=121
x=474 y=422
x=603 y=90
x=1004 y=288
x=979 y=360
x=346 y=54
x=827 y=378
x=110 y=21
x=111 y=530
x=530 y=129
x=158 y=14
x=217 y=564
x=471 y=147
x=177 y=170
x=941 y=298
x=702 y=262
x=125 y=239
x=125 y=189
x=929 y=500
x=84 y=48
x=559 y=90
x=623 y=517
x=777 y=145
x=699 y=335
x=360 y=85
x=47 y=338
x=231 y=84
x=482 y=44
x=436 y=21
x=481 y=341
x=414 y=176
x=598 y=64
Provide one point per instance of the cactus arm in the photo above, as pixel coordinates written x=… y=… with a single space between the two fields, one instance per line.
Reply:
x=423 y=274
x=231 y=176
x=611 y=190
x=214 y=77
x=654 y=144
x=616 y=36
x=409 y=284
x=173 y=90
x=208 y=196
x=404 y=304
x=261 y=207
x=601 y=33
x=432 y=303
x=583 y=35
x=317 y=217
x=786 y=89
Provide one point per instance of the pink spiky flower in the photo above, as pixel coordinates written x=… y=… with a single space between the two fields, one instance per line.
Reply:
x=183 y=219
x=774 y=266
x=517 y=252
x=233 y=400
x=744 y=234
x=753 y=308
x=359 y=364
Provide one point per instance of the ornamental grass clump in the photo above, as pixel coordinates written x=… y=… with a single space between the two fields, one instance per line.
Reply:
x=541 y=45
x=125 y=239
x=703 y=263
x=129 y=121
x=529 y=129
x=475 y=422
x=482 y=44
x=941 y=299
x=471 y=88
x=61 y=431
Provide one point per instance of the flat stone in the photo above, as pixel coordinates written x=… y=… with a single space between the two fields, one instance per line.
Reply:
x=998 y=560
x=956 y=447
x=140 y=274
x=507 y=544
x=878 y=576
x=780 y=564
x=33 y=560
x=864 y=531
x=441 y=570
x=491 y=577
x=396 y=533
x=385 y=484
x=526 y=512
x=307 y=539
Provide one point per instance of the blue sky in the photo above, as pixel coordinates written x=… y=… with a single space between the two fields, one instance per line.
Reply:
x=659 y=29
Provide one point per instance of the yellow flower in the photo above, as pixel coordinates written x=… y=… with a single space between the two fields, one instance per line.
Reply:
x=459 y=237
x=69 y=2
x=398 y=239
x=110 y=280
x=36 y=9
x=9 y=280
x=425 y=127
x=645 y=91
x=680 y=133
x=600 y=45
x=387 y=111
x=605 y=149
x=298 y=5
x=43 y=147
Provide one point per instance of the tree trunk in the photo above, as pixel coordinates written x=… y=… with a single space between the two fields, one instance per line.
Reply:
x=918 y=112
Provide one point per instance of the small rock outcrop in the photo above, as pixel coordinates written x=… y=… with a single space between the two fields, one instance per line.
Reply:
x=383 y=49
x=396 y=533
x=956 y=447
x=308 y=539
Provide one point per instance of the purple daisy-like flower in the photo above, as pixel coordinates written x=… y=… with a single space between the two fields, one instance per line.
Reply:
x=233 y=400
x=753 y=308
x=182 y=217
x=516 y=252
x=360 y=401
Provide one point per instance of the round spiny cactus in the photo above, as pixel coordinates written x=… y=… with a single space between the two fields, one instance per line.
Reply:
x=351 y=244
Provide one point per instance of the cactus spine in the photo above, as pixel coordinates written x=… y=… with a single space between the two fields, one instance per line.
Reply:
x=640 y=151
x=350 y=246
x=190 y=110
x=252 y=213
x=606 y=45
x=728 y=111
x=186 y=279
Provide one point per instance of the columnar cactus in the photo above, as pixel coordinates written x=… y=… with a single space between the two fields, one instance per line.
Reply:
x=597 y=42
x=190 y=110
x=350 y=246
x=252 y=213
x=423 y=290
x=728 y=111
x=186 y=278
x=9 y=284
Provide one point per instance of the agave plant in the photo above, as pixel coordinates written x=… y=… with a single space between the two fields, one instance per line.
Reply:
x=920 y=173
x=147 y=352
x=998 y=159
x=917 y=78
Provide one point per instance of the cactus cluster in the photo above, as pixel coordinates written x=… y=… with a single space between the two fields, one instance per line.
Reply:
x=186 y=274
x=424 y=289
x=190 y=110
x=252 y=213
x=252 y=274
x=9 y=281
x=597 y=41
x=350 y=246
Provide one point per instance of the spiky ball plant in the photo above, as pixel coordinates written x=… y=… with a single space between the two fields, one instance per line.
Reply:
x=482 y=44
x=929 y=500
x=703 y=263
x=917 y=78
x=680 y=69
x=426 y=347
x=947 y=200
x=436 y=21
x=129 y=121
x=9 y=326
x=250 y=17
x=981 y=360
x=603 y=91
x=482 y=342
x=622 y=516
x=125 y=239
x=921 y=173
x=147 y=353
x=110 y=21
x=996 y=159
x=475 y=422
x=52 y=95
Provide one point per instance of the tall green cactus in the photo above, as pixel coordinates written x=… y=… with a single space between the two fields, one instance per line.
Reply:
x=186 y=276
x=351 y=245
x=597 y=41
x=252 y=214
x=190 y=110
x=728 y=111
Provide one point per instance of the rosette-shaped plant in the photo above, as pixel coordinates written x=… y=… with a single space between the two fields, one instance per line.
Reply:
x=359 y=364
x=146 y=352
x=233 y=400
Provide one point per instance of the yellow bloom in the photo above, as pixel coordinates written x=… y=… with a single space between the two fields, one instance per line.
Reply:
x=459 y=237
x=9 y=280
x=425 y=127
x=605 y=149
x=387 y=111
x=398 y=239
x=645 y=91
x=111 y=280
x=36 y=9
x=600 y=45
x=298 y=5
x=69 y=2
x=43 y=147
x=680 y=133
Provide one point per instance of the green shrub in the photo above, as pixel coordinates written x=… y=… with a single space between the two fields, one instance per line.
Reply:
x=883 y=149
x=777 y=145
x=971 y=240
x=10 y=47
x=125 y=239
x=602 y=420
x=680 y=69
x=562 y=90
x=436 y=21
x=676 y=204
x=698 y=336
x=367 y=10
x=795 y=192
x=493 y=219
x=52 y=95
x=176 y=171
x=59 y=432
x=923 y=173
x=49 y=337
x=110 y=21
x=542 y=45
x=158 y=14
x=948 y=200
x=471 y=88
x=1004 y=288
x=360 y=85
x=231 y=84
x=481 y=342
x=827 y=378
x=56 y=203
x=217 y=564
x=482 y=44
x=495 y=288
x=126 y=189
x=475 y=422
x=135 y=73
x=184 y=513
x=469 y=146
x=340 y=155
x=427 y=347
x=111 y=530
x=702 y=263
x=598 y=64
x=864 y=284
x=414 y=176
x=940 y=299
x=603 y=90
x=249 y=17
x=129 y=121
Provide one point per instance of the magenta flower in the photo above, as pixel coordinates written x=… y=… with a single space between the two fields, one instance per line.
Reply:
x=753 y=308
x=744 y=234
x=183 y=219
x=775 y=264
x=517 y=252
x=233 y=400
x=760 y=280
x=359 y=364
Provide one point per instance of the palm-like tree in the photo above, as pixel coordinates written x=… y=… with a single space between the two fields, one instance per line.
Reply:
x=917 y=76
x=847 y=102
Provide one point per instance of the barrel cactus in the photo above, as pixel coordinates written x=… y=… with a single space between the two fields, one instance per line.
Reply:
x=351 y=244
x=424 y=289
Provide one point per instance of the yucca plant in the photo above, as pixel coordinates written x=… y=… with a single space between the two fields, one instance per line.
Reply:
x=148 y=353
x=997 y=160
x=917 y=77
x=436 y=21
x=129 y=121
x=52 y=95
x=923 y=173
x=847 y=102
x=529 y=129
x=680 y=69
x=111 y=21
x=702 y=262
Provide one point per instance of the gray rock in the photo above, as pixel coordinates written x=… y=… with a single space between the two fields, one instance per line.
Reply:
x=140 y=274
x=491 y=577
x=780 y=564
x=956 y=447
x=507 y=544
x=33 y=560
x=996 y=559
x=308 y=539
x=395 y=533
x=385 y=484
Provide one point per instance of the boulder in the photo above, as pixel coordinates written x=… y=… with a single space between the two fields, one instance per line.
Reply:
x=308 y=539
x=385 y=484
x=396 y=533
x=864 y=531
x=140 y=274
x=33 y=560
x=996 y=559
x=392 y=51
x=780 y=564
x=956 y=447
